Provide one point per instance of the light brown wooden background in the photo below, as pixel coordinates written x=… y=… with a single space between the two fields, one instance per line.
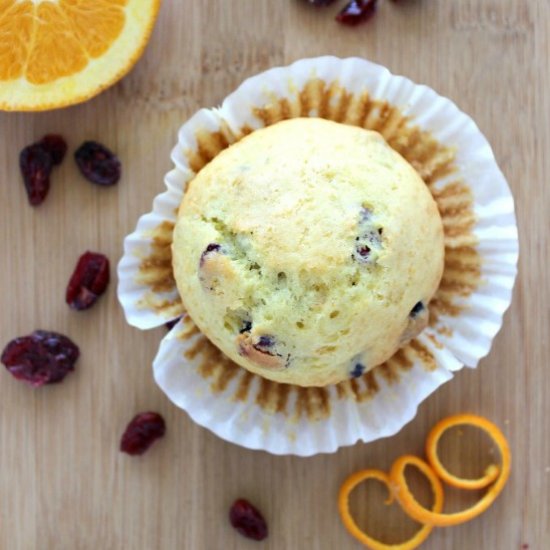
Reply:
x=63 y=483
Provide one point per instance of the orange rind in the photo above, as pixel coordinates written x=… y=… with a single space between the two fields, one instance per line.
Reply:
x=494 y=473
x=343 y=506
x=495 y=478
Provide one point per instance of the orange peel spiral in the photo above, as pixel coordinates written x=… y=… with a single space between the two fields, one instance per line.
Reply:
x=355 y=479
x=494 y=473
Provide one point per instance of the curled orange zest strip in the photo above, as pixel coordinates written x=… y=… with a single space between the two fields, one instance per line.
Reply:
x=343 y=507
x=491 y=473
x=417 y=511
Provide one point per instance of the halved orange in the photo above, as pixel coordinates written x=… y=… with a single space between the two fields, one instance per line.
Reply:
x=55 y=53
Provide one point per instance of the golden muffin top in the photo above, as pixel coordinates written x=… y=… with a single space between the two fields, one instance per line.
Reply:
x=308 y=251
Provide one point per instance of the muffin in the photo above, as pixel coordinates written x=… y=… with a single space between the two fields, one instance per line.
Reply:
x=308 y=251
x=459 y=169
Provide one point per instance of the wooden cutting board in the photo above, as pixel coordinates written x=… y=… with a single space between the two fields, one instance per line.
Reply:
x=63 y=483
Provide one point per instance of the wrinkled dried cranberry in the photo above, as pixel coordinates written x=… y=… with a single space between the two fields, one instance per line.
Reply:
x=248 y=521
x=40 y=358
x=88 y=281
x=144 y=429
x=36 y=166
x=357 y=11
x=97 y=163
x=55 y=146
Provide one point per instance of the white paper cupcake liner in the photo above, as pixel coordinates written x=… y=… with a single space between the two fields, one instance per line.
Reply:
x=481 y=241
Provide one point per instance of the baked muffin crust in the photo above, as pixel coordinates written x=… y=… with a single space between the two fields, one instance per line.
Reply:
x=308 y=251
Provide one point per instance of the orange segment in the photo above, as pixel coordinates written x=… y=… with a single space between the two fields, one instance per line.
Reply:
x=97 y=25
x=55 y=53
x=16 y=26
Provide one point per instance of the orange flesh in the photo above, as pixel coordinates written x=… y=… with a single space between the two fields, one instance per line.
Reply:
x=46 y=41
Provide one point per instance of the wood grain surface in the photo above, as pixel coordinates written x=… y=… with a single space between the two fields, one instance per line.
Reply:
x=63 y=483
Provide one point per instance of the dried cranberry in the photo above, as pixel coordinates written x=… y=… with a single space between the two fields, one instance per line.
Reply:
x=248 y=521
x=55 y=146
x=144 y=429
x=88 y=281
x=357 y=11
x=36 y=166
x=97 y=163
x=40 y=358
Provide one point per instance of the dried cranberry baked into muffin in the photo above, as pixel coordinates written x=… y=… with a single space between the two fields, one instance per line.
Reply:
x=308 y=251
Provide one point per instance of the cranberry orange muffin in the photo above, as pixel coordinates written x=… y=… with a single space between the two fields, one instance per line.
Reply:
x=308 y=251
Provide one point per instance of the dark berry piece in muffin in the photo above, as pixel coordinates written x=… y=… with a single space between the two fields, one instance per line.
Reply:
x=260 y=350
x=214 y=266
x=247 y=327
x=265 y=342
x=369 y=238
x=357 y=371
x=212 y=247
x=417 y=322
x=418 y=308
